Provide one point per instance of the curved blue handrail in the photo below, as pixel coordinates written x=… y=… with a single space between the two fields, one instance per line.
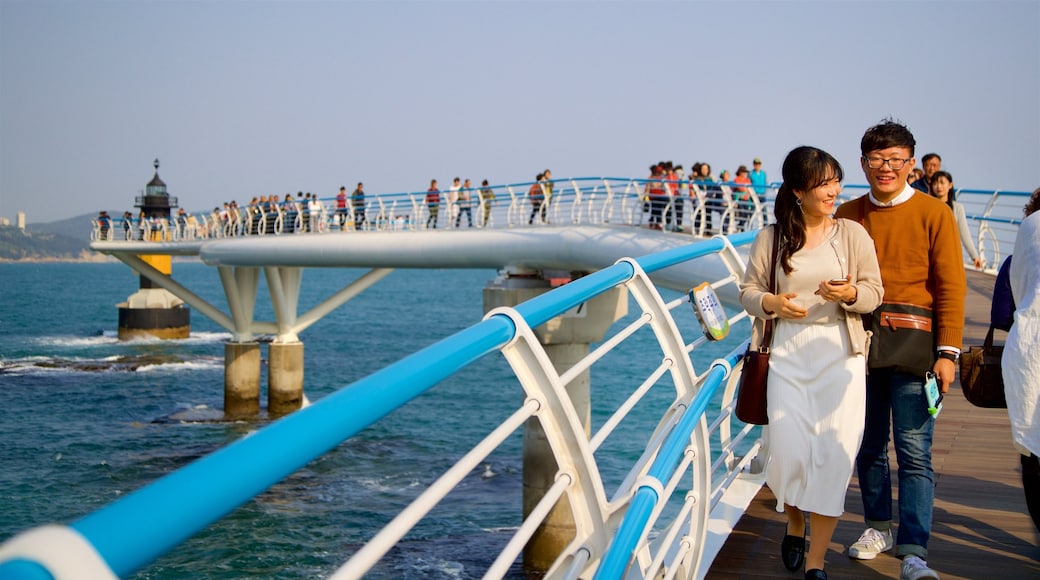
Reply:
x=633 y=526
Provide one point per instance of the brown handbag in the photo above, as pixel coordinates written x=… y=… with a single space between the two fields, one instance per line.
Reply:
x=751 y=390
x=981 y=378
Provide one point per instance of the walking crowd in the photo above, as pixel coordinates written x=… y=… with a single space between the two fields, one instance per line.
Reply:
x=664 y=195
x=304 y=212
x=736 y=200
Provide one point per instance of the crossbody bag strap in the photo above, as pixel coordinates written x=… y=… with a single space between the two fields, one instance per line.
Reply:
x=767 y=336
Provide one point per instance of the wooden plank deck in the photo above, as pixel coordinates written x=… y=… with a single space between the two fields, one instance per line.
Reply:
x=980 y=526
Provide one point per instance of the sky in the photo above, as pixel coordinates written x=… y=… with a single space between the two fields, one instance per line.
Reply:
x=238 y=99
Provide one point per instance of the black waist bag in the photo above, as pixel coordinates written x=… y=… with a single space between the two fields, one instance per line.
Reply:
x=902 y=338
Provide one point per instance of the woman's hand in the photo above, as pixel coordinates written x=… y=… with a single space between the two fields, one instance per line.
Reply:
x=783 y=306
x=837 y=291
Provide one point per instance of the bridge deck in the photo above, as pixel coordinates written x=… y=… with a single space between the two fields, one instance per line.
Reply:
x=981 y=528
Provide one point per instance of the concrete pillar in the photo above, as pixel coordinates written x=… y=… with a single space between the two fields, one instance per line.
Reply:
x=241 y=379
x=566 y=339
x=285 y=378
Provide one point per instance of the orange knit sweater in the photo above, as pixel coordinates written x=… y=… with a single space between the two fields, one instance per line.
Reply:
x=919 y=252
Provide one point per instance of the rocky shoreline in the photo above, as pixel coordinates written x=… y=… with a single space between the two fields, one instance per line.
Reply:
x=86 y=257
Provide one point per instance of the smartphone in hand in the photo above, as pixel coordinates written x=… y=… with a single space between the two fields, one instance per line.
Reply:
x=834 y=282
x=933 y=392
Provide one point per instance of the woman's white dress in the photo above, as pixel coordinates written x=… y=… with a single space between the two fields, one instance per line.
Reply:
x=816 y=393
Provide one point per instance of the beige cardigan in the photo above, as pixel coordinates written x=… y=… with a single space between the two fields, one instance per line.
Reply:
x=863 y=268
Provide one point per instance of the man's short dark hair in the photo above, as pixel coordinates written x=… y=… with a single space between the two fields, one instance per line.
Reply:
x=929 y=157
x=887 y=133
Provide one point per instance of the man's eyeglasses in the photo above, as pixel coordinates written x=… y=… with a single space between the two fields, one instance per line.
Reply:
x=877 y=162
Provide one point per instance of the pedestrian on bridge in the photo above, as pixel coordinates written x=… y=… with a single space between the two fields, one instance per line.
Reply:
x=341 y=207
x=1019 y=365
x=357 y=201
x=827 y=276
x=433 y=204
x=921 y=264
x=465 y=203
x=487 y=197
x=536 y=195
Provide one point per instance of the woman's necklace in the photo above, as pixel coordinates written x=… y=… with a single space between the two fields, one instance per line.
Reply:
x=816 y=235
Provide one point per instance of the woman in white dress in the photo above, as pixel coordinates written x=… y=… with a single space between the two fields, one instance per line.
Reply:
x=827 y=275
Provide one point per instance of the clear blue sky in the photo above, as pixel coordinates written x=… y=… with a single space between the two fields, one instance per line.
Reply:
x=239 y=98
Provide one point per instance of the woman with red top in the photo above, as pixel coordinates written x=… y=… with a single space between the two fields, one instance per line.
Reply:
x=537 y=196
x=743 y=195
x=655 y=191
x=433 y=204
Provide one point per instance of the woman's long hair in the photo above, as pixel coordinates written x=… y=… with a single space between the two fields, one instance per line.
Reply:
x=805 y=168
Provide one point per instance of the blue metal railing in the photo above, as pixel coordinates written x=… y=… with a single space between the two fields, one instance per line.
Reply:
x=634 y=526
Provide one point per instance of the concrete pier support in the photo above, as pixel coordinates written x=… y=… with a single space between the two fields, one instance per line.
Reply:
x=241 y=379
x=566 y=340
x=285 y=378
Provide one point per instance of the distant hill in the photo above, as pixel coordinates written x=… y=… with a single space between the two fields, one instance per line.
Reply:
x=36 y=244
x=67 y=239
x=74 y=227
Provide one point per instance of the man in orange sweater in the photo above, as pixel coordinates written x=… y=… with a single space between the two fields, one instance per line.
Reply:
x=917 y=247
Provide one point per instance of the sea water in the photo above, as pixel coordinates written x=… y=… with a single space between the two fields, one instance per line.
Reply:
x=89 y=418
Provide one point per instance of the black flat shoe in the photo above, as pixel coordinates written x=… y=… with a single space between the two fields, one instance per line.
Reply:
x=792 y=552
x=815 y=574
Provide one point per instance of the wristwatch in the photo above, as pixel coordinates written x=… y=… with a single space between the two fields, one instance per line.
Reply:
x=950 y=355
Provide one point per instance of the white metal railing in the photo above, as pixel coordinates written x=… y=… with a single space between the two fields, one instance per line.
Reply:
x=580 y=200
x=992 y=215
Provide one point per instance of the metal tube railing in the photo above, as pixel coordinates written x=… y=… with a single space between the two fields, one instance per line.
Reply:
x=637 y=518
x=136 y=530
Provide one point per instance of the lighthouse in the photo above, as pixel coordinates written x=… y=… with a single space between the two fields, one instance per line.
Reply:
x=153 y=311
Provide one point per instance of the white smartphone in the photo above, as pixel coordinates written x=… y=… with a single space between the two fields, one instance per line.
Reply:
x=710 y=313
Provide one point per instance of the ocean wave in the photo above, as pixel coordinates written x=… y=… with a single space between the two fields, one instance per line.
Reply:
x=110 y=338
x=206 y=364
x=105 y=339
x=113 y=363
x=380 y=485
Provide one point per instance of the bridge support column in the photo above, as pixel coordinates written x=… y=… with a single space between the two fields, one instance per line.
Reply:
x=566 y=340
x=285 y=378
x=241 y=379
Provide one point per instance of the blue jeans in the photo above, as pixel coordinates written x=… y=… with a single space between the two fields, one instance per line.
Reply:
x=898 y=400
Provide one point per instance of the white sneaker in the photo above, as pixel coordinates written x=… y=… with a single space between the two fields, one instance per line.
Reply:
x=872 y=543
x=915 y=568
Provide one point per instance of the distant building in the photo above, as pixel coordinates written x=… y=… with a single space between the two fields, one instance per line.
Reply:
x=4 y=222
x=21 y=220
